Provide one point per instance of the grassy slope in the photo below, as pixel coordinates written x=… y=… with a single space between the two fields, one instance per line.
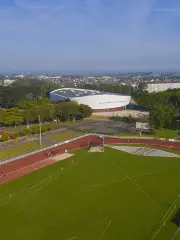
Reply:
x=166 y=133
x=64 y=136
x=70 y=206
x=18 y=149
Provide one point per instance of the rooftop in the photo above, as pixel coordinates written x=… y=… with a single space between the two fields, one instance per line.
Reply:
x=73 y=92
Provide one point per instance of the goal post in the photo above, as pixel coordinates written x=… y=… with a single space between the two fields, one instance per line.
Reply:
x=97 y=145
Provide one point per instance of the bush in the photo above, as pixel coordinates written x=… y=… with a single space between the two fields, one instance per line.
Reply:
x=16 y=135
x=152 y=130
x=50 y=127
x=4 y=137
x=34 y=130
x=44 y=128
x=26 y=132
x=85 y=111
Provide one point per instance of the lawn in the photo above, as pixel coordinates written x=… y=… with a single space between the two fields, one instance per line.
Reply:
x=163 y=133
x=166 y=133
x=64 y=136
x=104 y=196
x=18 y=149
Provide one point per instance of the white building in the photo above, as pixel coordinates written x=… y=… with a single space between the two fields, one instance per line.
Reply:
x=160 y=87
x=20 y=76
x=8 y=82
x=98 y=101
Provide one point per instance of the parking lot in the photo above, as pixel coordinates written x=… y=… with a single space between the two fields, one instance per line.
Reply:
x=106 y=126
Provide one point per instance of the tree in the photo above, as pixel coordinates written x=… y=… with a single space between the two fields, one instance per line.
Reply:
x=13 y=116
x=152 y=130
x=44 y=128
x=26 y=132
x=85 y=111
x=66 y=111
x=2 y=115
x=163 y=116
x=47 y=112
x=30 y=115
x=142 y=87
x=34 y=130
x=15 y=135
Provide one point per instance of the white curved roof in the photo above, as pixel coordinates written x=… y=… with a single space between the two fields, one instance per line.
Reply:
x=92 y=98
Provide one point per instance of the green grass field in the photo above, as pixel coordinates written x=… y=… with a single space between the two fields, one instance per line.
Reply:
x=98 y=196
x=166 y=133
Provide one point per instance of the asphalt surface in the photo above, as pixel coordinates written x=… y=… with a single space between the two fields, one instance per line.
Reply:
x=106 y=126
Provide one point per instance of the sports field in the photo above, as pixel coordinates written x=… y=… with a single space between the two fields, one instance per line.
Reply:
x=94 y=196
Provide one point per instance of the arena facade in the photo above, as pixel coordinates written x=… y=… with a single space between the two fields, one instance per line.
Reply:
x=96 y=100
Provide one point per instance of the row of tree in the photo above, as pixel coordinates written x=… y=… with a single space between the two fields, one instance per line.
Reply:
x=29 y=112
x=121 y=89
x=151 y=100
x=128 y=89
x=164 y=108
x=24 y=90
x=164 y=116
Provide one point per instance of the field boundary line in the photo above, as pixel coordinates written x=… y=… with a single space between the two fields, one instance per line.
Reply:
x=166 y=219
x=137 y=185
x=176 y=233
x=173 y=203
x=106 y=228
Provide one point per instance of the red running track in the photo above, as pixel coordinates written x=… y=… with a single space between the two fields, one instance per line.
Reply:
x=35 y=161
x=26 y=170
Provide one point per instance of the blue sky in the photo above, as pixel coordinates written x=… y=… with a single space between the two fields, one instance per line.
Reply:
x=89 y=35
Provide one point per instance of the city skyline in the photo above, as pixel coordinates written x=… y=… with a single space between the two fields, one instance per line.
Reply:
x=89 y=35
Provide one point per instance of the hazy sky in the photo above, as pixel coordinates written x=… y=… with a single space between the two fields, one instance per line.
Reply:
x=89 y=35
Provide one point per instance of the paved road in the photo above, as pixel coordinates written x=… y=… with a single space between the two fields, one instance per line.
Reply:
x=106 y=126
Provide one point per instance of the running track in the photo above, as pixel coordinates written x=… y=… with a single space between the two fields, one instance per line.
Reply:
x=35 y=161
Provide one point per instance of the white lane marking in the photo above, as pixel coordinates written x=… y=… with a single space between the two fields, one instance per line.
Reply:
x=106 y=228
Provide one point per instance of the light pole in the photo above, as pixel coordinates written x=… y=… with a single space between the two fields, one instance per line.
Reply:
x=177 y=127
x=40 y=135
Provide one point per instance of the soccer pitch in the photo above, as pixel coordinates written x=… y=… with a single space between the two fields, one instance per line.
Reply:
x=94 y=196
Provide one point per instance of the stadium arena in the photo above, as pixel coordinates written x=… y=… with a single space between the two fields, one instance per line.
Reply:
x=96 y=100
